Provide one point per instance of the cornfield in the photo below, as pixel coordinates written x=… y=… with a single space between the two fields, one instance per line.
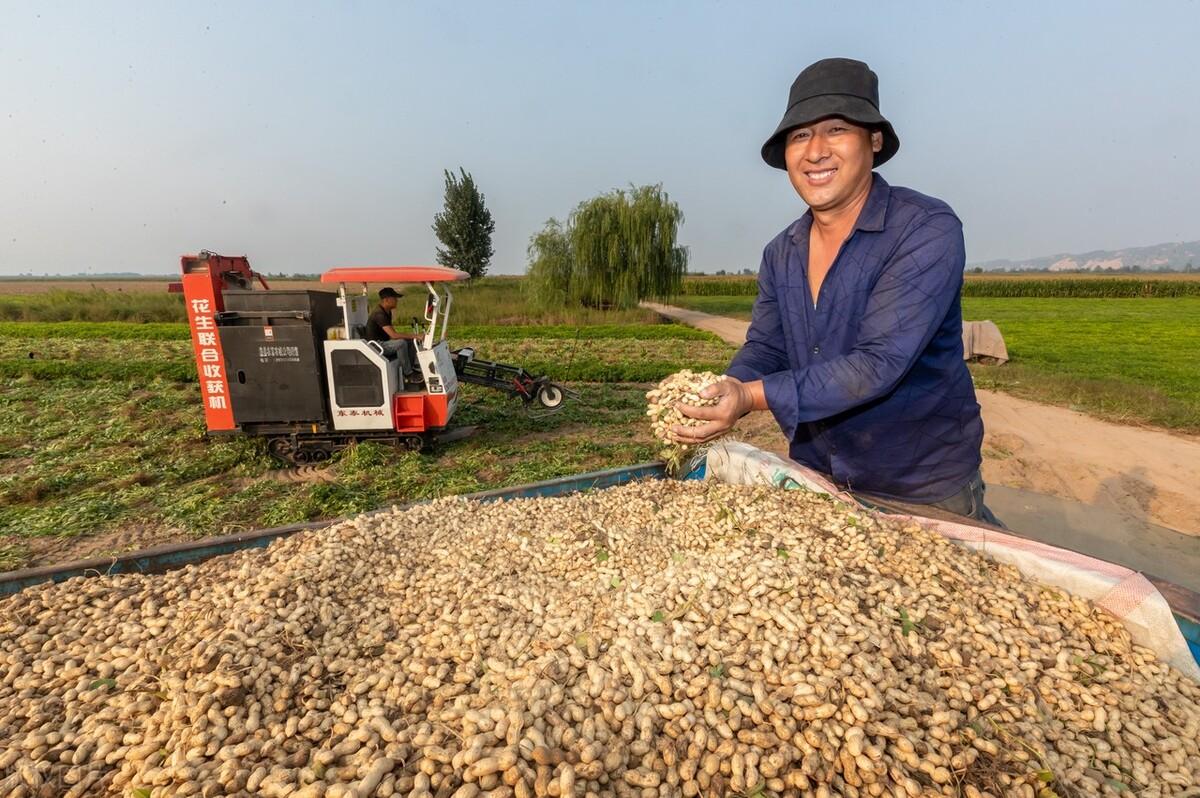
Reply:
x=1082 y=288
x=720 y=286
x=1017 y=287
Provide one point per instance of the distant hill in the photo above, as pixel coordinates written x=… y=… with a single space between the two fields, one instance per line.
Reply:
x=1159 y=257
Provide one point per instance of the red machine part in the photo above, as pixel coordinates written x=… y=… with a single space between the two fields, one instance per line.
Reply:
x=437 y=410
x=205 y=278
x=419 y=412
x=398 y=274
x=408 y=411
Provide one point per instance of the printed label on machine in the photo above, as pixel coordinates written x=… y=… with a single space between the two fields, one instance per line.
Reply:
x=278 y=354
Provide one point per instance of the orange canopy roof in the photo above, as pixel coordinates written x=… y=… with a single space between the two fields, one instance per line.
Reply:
x=393 y=274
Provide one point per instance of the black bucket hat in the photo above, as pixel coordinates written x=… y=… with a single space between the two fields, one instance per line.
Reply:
x=833 y=87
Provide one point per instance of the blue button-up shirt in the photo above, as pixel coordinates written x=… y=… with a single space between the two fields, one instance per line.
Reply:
x=869 y=384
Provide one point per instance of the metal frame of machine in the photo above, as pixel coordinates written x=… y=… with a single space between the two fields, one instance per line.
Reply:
x=295 y=367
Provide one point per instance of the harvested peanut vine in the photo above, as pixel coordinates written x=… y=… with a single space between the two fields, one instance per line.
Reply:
x=662 y=407
x=656 y=639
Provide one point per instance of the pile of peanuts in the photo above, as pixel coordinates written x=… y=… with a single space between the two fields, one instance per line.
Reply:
x=660 y=638
x=662 y=407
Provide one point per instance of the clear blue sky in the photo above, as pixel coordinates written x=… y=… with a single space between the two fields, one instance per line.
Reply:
x=312 y=135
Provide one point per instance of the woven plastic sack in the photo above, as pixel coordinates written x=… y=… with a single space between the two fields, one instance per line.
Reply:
x=983 y=339
x=1124 y=593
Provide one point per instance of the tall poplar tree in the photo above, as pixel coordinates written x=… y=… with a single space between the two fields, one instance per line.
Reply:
x=464 y=226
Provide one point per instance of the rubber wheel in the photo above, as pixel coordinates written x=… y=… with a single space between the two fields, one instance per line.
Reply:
x=550 y=396
x=414 y=443
x=320 y=455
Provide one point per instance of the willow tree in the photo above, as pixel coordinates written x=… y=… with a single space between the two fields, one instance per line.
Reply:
x=616 y=249
x=623 y=248
x=550 y=265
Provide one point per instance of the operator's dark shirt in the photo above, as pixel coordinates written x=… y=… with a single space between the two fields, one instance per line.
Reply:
x=870 y=385
x=379 y=319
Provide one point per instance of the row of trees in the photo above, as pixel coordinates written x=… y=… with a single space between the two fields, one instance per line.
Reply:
x=613 y=251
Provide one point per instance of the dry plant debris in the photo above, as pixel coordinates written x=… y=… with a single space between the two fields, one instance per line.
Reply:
x=657 y=639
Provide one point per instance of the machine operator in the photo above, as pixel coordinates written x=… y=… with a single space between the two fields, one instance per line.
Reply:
x=381 y=329
x=855 y=342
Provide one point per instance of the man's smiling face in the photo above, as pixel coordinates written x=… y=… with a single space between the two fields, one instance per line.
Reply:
x=829 y=162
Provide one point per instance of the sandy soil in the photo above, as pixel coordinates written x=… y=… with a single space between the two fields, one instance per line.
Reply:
x=1146 y=474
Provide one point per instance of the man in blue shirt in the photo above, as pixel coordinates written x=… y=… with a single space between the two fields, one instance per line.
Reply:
x=855 y=343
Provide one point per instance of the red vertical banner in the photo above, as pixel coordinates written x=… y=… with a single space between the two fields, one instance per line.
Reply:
x=202 y=302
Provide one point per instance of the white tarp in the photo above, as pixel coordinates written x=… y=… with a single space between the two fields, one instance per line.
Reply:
x=1126 y=594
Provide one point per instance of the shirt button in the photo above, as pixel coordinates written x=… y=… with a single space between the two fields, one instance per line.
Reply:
x=816 y=350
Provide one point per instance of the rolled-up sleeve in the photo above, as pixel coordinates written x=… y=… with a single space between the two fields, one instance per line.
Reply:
x=906 y=307
x=763 y=352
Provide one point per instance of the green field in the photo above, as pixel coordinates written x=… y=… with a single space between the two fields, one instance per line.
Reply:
x=172 y=331
x=603 y=353
x=102 y=446
x=492 y=300
x=734 y=306
x=1134 y=360
x=129 y=461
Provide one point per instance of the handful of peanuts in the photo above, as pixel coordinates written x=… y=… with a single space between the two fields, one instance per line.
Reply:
x=662 y=407
x=656 y=639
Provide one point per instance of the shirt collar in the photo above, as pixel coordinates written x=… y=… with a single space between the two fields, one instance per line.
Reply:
x=871 y=219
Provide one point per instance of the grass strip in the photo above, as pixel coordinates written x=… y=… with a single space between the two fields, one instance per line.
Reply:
x=167 y=331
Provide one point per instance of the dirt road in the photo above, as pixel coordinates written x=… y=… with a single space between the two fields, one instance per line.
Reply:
x=1144 y=474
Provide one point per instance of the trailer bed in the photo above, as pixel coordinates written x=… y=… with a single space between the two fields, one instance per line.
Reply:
x=1184 y=603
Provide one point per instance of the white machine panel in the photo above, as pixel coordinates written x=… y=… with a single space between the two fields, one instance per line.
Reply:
x=437 y=366
x=361 y=384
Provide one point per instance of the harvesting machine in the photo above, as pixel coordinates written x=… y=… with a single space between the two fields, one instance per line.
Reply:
x=294 y=366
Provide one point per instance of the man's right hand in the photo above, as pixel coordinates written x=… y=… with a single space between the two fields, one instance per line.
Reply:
x=734 y=400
